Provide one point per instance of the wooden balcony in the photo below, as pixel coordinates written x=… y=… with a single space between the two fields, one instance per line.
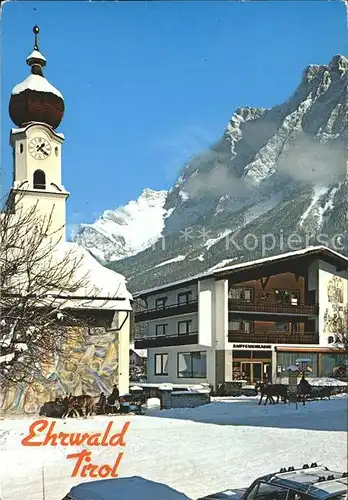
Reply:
x=273 y=337
x=164 y=312
x=167 y=340
x=273 y=307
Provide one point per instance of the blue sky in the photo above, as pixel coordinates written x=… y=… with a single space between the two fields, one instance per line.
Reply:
x=149 y=84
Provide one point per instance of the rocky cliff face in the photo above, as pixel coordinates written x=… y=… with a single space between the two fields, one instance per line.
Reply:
x=276 y=181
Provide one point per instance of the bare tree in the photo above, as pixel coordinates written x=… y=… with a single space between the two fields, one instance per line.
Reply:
x=138 y=373
x=139 y=329
x=37 y=284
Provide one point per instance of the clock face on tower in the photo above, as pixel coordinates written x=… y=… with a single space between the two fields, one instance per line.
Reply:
x=39 y=148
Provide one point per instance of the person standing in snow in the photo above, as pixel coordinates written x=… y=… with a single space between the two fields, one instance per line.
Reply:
x=114 y=396
x=304 y=389
x=101 y=403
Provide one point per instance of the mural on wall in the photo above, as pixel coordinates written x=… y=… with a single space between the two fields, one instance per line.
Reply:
x=335 y=320
x=335 y=290
x=336 y=311
x=89 y=366
x=336 y=325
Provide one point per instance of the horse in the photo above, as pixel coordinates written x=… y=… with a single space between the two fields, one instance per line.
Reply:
x=270 y=390
x=54 y=409
x=81 y=405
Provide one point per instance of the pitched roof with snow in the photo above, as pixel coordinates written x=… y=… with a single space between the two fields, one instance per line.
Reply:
x=217 y=271
x=102 y=288
x=142 y=353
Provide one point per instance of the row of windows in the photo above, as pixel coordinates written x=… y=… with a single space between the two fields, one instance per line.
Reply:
x=194 y=364
x=240 y=325
x=237 y=325
x=282 y=296
x=239 y=294
x=189 y=364
x=321 y=364
x=182 y=298
x=183 y=328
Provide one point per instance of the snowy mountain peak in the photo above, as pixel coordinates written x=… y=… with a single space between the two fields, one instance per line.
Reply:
x=279 y=171
x=339 y=63
x=126 y=230
x=151 y=196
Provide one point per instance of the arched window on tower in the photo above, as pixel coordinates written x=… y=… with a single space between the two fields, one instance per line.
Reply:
x=39 y=179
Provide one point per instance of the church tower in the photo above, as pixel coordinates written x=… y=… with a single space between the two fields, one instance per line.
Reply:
x=37 y=108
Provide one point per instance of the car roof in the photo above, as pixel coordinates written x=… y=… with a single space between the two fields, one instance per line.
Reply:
x=127 y=488
x=317 y=481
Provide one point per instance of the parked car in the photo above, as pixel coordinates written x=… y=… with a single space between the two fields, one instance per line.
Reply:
x=312 y=482
x=128 y=488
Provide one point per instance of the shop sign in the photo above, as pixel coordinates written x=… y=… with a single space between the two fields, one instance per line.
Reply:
x=251 y=347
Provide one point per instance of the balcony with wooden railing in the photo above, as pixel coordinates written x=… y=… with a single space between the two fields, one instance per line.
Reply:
x=273 y=337
x=166 y=340
x=175 y=309
x=259 y=304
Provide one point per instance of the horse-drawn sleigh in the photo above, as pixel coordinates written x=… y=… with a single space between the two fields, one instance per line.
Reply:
x=84 y=405
x=281 y=391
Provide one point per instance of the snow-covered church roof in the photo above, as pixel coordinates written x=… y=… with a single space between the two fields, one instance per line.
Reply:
x=101 y=287
x=36 y=54
x=37 y=83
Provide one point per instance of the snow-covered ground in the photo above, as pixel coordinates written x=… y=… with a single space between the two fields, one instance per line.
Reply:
x=193 y=451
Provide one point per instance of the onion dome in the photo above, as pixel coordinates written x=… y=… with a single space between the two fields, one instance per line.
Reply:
x=35 y=99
